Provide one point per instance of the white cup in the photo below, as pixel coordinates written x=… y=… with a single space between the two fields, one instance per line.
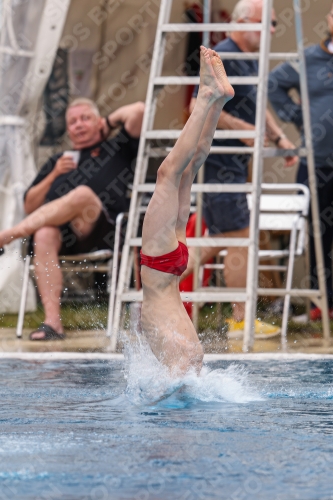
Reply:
x=75 y=155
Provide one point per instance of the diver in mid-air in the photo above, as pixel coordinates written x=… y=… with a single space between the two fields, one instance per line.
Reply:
x=164 y=320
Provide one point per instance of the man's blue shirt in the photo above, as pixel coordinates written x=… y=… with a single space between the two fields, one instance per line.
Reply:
x=319 y=70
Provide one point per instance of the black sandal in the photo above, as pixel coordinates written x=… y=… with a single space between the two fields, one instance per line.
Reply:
x=49 y=333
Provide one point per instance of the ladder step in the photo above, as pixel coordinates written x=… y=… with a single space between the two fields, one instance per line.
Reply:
x=204 y=188
x=267 y=152
x=163 y=152
x=132 y=296
x=295 y=292
x=260 y=267
x=149 y=187
x=194 y=80
x=205 y=241
x=273 y=56
x=219 y=134
x=273 y=152
x=272 y=268
x=207 y=295
x=210 y=294
x=211 y=27
x=214 y=150
x=273 y=254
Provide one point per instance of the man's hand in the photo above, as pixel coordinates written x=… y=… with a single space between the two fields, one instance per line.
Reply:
x=64 y=164
x=105 y=128
x=36 y=195
x=250 y=142
x=284 y=143
x=230 y=122
x=130 y=116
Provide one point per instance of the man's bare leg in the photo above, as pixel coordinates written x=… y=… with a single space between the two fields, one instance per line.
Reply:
x=81 y=207
x=235 y=266
x=202 y=151
x=235 y=270
x=158 y=234
x=48 y=276
x=164 y=223
x=236 y=259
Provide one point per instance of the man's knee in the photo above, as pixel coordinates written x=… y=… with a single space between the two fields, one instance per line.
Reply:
x=162 y=171
x=47 y=239
x=83 y=195
x=90 y=207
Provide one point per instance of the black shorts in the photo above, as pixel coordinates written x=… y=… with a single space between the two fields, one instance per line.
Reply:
x=101 y=237
x=225 y=212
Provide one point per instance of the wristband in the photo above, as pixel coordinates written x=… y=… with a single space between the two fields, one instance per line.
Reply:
x=278 y=139
x=110 y=127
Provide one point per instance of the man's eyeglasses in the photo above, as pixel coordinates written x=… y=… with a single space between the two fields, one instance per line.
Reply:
x=274 y=22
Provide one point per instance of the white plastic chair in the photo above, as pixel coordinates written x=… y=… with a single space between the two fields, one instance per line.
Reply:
x=93 y=261
x=101 y=261
x=283 y=207
x=85 y=262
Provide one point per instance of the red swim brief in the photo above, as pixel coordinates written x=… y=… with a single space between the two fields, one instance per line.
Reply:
x=173 y=263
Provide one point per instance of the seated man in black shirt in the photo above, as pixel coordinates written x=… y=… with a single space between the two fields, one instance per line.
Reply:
x=72 y=206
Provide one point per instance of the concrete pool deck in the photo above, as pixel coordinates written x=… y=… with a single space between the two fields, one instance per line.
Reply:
x=95 y=341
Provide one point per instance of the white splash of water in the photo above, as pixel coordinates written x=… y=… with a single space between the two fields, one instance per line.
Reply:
x=148 y=381
x=230 y=384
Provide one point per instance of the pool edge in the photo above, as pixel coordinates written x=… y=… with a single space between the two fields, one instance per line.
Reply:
x=62 y=356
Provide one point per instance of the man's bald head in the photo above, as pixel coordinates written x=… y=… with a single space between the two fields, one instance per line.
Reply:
x=249 y=11
x=246 y=9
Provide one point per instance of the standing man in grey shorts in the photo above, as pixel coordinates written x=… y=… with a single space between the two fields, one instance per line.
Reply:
x=227 y=214
x=284 y=78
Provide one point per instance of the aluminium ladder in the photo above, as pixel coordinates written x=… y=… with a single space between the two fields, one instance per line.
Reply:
x=155 y=84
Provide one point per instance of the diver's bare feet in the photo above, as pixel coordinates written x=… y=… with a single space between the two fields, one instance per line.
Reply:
x=222 y=75
x=212 y=84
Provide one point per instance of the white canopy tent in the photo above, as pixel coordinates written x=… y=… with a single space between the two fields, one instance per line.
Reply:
x=109 y=45
x=30 y=34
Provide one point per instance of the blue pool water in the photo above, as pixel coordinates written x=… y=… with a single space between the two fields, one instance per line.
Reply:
x=251 y=430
